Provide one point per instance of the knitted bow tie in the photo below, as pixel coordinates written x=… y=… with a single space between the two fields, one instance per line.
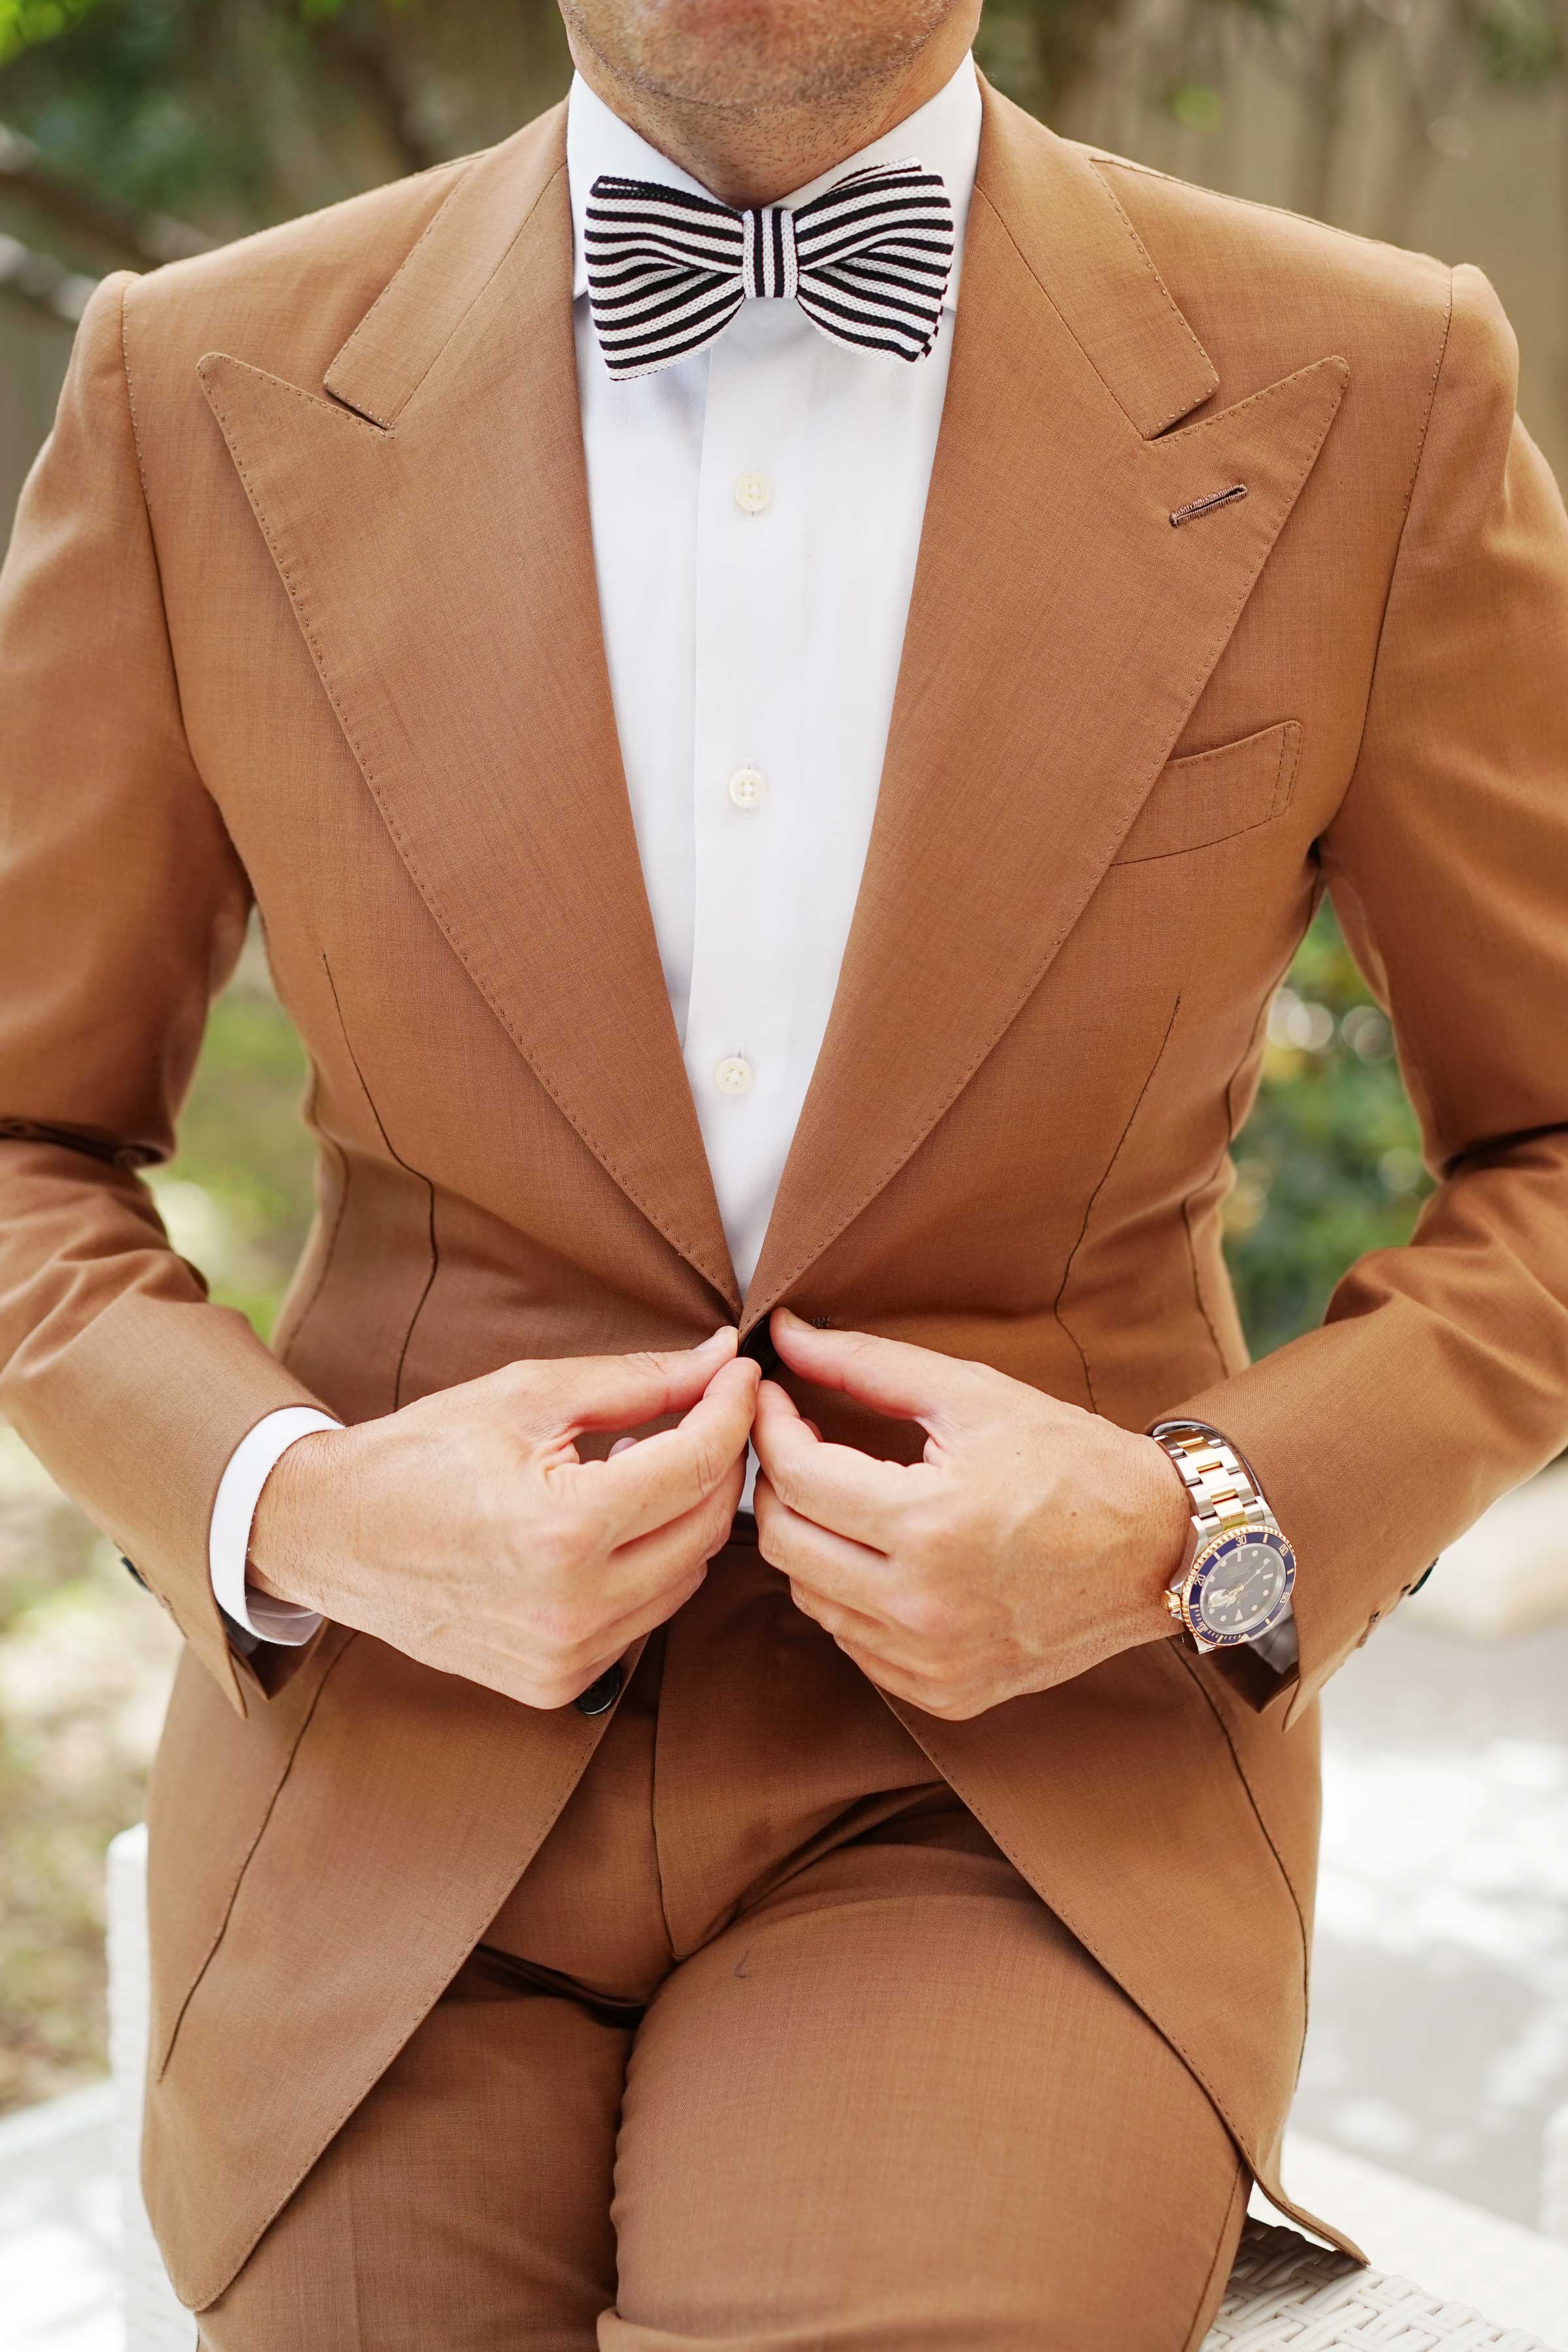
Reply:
x=868 y=260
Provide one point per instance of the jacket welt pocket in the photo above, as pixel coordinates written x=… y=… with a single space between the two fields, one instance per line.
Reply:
x=1211 y=795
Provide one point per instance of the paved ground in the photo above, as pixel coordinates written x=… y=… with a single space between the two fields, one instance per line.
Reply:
x=1439 y=2036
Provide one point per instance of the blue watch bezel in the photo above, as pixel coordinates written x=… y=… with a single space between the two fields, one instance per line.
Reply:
x=1217 y=1549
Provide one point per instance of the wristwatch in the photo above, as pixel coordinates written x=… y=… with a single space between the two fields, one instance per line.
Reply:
x=1237 y=1569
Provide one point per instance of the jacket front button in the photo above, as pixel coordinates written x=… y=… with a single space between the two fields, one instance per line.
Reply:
x=758 y=1344
x=602 y=1695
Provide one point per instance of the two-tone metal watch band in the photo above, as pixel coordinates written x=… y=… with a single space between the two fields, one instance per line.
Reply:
x=1223 y=1491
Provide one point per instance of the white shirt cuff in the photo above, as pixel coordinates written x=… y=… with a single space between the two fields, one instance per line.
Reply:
x=250 y=1465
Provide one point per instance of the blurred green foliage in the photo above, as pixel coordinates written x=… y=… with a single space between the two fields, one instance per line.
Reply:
x=1329 y=1165
x=238 y=1196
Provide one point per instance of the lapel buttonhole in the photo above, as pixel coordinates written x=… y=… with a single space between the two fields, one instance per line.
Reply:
x=1195 y=507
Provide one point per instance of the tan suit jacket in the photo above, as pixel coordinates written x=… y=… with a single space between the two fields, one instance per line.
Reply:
x=301 y=610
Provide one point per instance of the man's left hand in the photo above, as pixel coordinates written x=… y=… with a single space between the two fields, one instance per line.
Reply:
x=1032 y=1542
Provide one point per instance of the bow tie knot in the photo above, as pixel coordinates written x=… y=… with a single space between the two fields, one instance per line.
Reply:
x=770 y=267
x=868 y=260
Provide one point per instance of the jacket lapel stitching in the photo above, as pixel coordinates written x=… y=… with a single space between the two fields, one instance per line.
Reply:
x=688 y=1246
x=983 y=195
x=386 y=423
x=1013 y=1005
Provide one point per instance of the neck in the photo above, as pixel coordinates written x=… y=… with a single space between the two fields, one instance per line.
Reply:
x=755 y=154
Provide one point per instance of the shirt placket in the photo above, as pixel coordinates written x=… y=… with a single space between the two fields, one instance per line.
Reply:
x=752 y=550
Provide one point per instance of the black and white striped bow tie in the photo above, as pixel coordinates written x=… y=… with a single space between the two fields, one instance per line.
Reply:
x=868 y=260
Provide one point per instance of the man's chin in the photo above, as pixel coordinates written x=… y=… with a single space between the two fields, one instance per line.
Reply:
x=752 y=54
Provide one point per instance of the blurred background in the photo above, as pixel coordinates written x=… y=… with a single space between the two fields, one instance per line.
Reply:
x=134 y=131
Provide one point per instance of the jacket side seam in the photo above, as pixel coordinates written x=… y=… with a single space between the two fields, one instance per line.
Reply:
x=417 y=1172
x=1088 y=1206
x=1190 y=1669
x=329 y=1245
x=233 y=1897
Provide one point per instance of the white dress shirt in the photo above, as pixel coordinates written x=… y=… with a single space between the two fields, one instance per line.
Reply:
x=756 y=513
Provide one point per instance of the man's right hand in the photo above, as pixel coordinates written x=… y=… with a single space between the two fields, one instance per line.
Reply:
x=466 y=1531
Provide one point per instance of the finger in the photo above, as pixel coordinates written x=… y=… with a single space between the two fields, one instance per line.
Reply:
x=659 y=1606
x=583 y=1392
x=890 y=1375
x=870 y=1640
x=671 y=1473
x=914 y=1690
x=647 y=1580
x=835 y=1571
x=838 y=1487
x=640 y=1571
x=637 y=1587
x=849 y=1627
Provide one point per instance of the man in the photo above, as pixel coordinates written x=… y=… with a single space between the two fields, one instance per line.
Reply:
x=747 y=865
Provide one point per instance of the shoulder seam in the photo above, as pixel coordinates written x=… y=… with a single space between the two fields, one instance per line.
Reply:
x=131 y=410
x=454 y=167
x=1426 y=422
x=1103 y=155
x=1421 y=440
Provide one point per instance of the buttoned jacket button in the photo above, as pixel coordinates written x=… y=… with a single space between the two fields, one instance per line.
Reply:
x=758 y=1344
x=602 y=1694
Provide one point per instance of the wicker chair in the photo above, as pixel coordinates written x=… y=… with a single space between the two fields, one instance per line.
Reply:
x=1285 y=2293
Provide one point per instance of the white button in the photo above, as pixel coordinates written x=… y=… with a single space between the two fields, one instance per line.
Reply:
x=734 y=1076
x=748 y=787
x=753 y=493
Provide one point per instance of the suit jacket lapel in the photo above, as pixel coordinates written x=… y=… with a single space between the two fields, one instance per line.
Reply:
x=1060 y=631
x=430 y=522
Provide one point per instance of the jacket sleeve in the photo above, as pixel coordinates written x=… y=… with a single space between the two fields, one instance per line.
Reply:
x=1439 y=1377
x=122 y=910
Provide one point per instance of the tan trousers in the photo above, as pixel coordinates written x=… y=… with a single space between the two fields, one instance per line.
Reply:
x=771 y=2049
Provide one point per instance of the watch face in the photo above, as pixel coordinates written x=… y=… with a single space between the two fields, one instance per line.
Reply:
x=1240 y=1584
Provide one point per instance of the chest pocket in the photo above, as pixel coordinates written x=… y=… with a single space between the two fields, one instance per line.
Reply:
x=1211 y=795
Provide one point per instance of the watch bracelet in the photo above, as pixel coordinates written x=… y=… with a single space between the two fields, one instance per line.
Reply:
x=1214 y=1475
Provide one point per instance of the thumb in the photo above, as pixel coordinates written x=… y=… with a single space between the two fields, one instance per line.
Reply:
x=890 y=1375
x=583 y=1392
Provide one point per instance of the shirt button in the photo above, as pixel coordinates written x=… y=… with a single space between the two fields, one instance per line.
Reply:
x=753 y=493
x=734 y=1076
x=748 y=787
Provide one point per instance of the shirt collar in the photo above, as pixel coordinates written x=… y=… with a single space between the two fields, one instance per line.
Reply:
x=945 y=134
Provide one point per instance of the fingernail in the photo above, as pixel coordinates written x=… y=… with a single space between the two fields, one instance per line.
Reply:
x=788 y=1314
x=725 y=1330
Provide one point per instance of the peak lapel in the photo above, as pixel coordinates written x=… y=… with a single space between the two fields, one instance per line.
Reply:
x=430 y=523
x=1060 y=631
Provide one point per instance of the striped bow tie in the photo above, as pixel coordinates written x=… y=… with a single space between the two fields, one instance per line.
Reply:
x=868 y=260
